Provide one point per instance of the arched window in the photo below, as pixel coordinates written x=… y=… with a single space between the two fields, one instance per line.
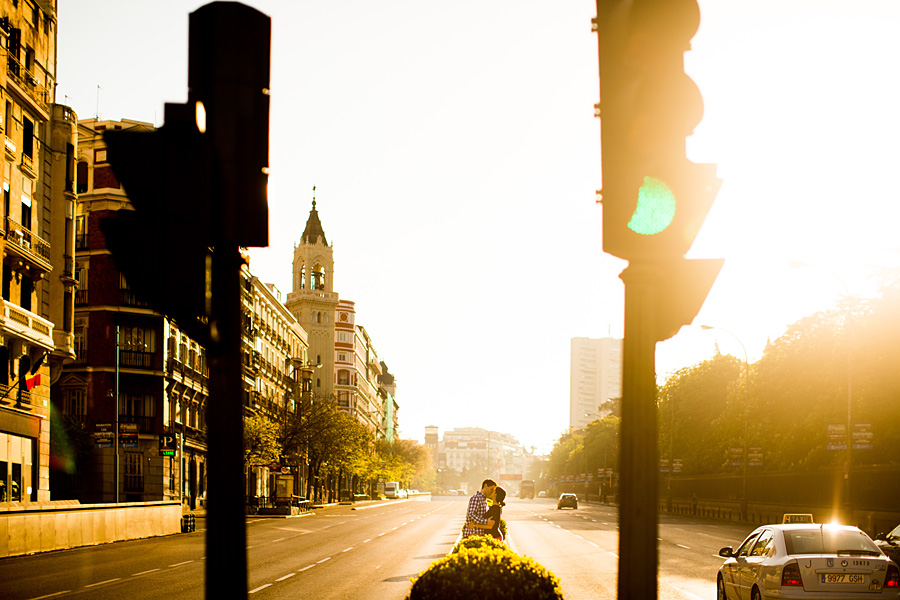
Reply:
x=303 y=277
x=318 y=277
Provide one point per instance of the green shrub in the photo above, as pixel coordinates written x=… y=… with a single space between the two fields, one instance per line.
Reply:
x=479 y=541
x=486 y=572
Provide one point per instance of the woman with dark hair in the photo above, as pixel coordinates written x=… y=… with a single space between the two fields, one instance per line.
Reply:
x=493 y=514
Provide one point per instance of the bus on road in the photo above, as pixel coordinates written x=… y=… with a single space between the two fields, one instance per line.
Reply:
x=526 y=488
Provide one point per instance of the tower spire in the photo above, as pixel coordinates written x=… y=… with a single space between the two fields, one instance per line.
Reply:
x=313 y=229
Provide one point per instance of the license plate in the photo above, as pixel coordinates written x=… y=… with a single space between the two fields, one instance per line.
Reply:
x=843 y=578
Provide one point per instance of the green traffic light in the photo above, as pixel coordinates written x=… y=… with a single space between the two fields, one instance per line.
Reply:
x=655 y=208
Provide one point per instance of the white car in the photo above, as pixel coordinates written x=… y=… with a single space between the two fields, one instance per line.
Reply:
x=807 y=561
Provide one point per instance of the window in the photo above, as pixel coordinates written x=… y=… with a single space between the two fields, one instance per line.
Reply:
x=134 y=472
x=74 y=404
x=16 y=468
x=27 y=137
x=137 y=339
x=26 y=203
x=744 y=550
x=81 y=177
x=765 y=541
x=343 y=377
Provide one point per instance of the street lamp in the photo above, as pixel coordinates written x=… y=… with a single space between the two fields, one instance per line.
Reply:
x=745 y=457
x=848 y=505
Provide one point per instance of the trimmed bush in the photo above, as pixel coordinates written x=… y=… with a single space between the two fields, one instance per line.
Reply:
x=486 y=572
x=479 y=541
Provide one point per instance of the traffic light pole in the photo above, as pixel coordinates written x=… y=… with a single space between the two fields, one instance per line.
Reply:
x=226 y=541
x=638 y=467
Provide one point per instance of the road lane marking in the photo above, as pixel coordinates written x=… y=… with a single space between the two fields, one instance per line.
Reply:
x=381 y=534
x=592 y=544
x=278 y=540
x=144 y=572
x=262 y=587
x=347 y=549
x=319 y=562
x=52 y=595
x=181 y=563
x=102 y=582
x=305 y=568
x=682 y=546
x=368 y=540
x=285 y=577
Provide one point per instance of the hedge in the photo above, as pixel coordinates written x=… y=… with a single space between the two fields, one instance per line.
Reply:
x=485 y=571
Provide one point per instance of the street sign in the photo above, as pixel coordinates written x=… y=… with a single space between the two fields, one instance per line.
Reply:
x=103 y=436
x=128 y=435
x=167 y=444
x=862 y=436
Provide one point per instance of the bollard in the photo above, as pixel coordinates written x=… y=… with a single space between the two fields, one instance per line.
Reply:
x=188 y=523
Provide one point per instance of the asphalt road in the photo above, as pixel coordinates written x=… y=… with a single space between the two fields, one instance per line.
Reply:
x=372 y=551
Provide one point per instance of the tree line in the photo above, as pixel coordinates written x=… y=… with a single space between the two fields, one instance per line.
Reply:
x=338 y=449
x=781 y=413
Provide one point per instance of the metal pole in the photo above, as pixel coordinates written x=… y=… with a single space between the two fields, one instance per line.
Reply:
x=116 y=408
x=638 y=555
x=226 y=542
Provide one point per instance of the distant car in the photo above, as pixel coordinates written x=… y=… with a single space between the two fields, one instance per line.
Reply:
x=461 y=492
x=401 y=493
x=570 y=500
x=806 y=561
x=889 y=543
x=542 y=494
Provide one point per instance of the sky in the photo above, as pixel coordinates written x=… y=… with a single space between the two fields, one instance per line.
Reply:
x=456 y=156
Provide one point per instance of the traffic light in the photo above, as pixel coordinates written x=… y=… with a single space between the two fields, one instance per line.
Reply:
x=199 y=180
x=654 y=199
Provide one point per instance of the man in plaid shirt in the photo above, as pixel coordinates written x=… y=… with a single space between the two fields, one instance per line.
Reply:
x=477 y=507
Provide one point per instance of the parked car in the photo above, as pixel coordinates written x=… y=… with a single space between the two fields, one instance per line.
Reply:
x=566 y=499
x=889 y=543
x=807 y=561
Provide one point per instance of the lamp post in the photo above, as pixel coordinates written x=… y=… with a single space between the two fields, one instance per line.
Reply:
x=745 y=457
x=847 y=504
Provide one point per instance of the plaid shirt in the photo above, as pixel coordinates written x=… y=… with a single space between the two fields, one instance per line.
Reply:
x=475 y=514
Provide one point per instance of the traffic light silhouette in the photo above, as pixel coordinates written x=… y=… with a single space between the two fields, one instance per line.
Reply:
x=654 y=199
x=200 y=179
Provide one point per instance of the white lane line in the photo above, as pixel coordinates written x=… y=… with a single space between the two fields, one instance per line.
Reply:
x=181 y=563
x=52 y=595
x=278 y=540
x=366 y=541
x=592 y=544
x=347 y=549
x=682 y=546
x=305 y=568
x=612 y=554
x=381 y=534
x=144 y=572
x=319 y=562
x=393 y=529
x=102 y=582
x=285 y=577
x=262 y=587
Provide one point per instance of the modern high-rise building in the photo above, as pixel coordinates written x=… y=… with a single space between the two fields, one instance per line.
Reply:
x=595 y=377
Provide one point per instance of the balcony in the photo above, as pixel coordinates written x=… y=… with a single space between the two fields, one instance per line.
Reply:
x=81 y=297
x=145 y=424
x=81 y=241
x=134 y=358
x=28 y=245
x=130 y=299
x=26 y=325
x=34 y=85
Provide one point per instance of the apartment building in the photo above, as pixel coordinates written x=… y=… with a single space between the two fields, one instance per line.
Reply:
x=38 y=284
x=595 y=377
